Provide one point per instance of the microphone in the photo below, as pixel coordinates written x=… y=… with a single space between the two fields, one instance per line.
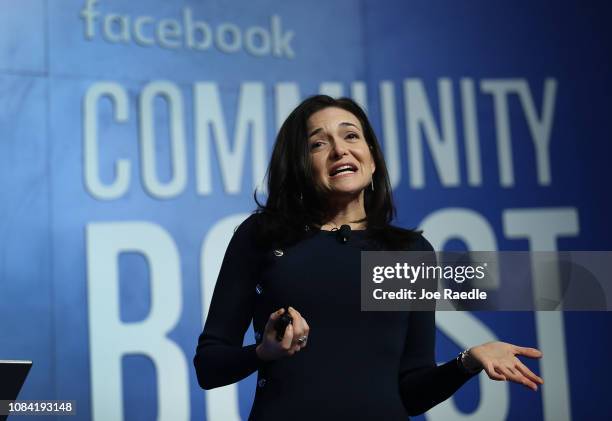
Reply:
x=344 y=233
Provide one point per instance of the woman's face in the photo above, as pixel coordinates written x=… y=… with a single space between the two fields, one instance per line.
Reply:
x=341 y=159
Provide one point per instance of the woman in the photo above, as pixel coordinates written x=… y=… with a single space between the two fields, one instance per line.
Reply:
x=327 y=170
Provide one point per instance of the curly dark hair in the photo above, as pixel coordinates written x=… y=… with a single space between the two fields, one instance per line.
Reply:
x=294 y=201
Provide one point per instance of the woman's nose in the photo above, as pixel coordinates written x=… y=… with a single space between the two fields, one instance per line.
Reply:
x=340 y=148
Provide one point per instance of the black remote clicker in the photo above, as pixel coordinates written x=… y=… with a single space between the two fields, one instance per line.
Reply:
x=281 y=324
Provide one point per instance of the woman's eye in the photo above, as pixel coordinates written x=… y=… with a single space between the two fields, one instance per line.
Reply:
x=315 y=145
x=352 y=136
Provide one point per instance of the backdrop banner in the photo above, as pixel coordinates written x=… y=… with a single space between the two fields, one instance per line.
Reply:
x=133 y=135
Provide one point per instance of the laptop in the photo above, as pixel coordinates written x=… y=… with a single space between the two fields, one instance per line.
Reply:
x=12 y=376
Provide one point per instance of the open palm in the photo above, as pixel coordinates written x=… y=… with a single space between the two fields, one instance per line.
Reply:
x=500 y=362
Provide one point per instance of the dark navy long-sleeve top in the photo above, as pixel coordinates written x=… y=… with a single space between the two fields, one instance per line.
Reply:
x=357 y=365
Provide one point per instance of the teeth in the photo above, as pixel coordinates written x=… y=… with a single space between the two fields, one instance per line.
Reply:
x=344 y=167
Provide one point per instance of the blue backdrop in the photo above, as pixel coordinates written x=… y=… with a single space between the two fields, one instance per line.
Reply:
x=132 y=135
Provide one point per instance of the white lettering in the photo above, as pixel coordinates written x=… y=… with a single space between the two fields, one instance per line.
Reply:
x=390 y=133
x=443 y=147
x=209 y=113
x=168 y=33
x=192 y=28
x=111 y=339
x=500 y=89
x=173 y=97
x=93 y=183
x=281 y=40
x=122 y=23
x=139 y=36
x=190 y=33
x=470 y=127
x=540 y=128
x=542 y=227
x=228 y=38
x=88 y=14
x=251 y=45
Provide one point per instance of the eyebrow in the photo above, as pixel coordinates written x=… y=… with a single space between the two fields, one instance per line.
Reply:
x=343 y=124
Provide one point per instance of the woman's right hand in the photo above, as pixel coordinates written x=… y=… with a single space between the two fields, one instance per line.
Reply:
x=270 y=349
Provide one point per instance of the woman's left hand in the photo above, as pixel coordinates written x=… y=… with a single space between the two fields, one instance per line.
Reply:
x=499 y=361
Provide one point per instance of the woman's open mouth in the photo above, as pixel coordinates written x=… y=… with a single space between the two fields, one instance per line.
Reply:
x=343 y=170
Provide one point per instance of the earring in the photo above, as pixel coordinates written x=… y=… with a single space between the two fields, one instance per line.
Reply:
x=372 y=184
x=301 y=197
